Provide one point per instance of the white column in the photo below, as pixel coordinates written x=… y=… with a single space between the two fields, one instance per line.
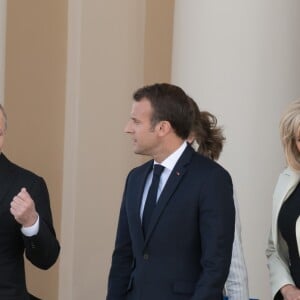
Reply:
x=105 y=65
x=240 y=61
x=67 y=256
x=2 y=47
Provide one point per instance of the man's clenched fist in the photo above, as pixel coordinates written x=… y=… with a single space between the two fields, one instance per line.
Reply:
x=23 y=209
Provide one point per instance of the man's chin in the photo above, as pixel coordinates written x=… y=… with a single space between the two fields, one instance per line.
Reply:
x=139 y=152
x=136 y=151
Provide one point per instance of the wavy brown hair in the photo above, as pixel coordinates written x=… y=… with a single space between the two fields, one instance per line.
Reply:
x=206 y=133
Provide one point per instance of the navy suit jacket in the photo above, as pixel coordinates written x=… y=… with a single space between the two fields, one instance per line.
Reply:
x=186 y=253
x=42 y=249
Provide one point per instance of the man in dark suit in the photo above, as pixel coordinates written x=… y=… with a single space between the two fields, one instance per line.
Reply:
x=180 y=247
x=25 y=224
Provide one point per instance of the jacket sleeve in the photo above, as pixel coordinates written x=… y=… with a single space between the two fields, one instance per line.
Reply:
x=122 y=259
x=279 y=272
x=43 y=248
x=216 y=228
x=236 y=285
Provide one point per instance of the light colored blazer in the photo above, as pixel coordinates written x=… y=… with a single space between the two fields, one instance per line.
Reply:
x=236 y=285
x=277 y=250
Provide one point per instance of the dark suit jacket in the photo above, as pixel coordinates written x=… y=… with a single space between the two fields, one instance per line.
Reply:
x=187 y=251
x=42 y=249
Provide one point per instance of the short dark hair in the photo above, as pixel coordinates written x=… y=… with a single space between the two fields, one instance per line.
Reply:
x=170 y=103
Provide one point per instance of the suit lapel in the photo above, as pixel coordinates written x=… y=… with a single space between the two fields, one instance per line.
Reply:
x=140 y=184
x=171 y=185
x=287 y=182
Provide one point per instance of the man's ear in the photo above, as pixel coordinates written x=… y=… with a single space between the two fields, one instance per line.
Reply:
x=164 y=127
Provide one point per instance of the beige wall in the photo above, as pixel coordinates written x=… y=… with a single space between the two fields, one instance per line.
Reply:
x=158 y=41
x=2 y=47
x=35 y=101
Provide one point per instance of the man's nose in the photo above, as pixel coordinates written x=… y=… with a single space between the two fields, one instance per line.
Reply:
x=128 y=127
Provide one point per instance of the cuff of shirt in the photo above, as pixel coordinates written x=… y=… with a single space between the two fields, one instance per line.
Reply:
x=31 y=230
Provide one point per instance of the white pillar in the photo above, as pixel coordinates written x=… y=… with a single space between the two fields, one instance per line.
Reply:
x=2 y=47
x=105 y=64
x=240 y=60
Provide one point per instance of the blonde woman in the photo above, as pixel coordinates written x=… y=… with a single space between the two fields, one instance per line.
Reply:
x=284 y=241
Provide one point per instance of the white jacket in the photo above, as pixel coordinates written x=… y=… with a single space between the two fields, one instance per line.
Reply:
x=277 y=250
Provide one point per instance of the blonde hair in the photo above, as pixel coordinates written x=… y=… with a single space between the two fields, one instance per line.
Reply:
x=289 y=132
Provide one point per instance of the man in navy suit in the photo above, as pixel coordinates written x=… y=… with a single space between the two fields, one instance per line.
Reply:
x=25 y=224
x=181 y=248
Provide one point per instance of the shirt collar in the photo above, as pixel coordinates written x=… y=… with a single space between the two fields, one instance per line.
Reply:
x=172 y=159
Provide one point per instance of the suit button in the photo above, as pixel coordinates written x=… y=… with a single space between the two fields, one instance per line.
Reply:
x=146 y=256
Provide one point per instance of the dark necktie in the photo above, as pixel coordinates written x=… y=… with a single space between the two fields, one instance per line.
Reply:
x=151 y=197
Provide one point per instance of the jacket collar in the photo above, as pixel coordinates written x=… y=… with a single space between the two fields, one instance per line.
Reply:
x=169 y=188
x=287 y=182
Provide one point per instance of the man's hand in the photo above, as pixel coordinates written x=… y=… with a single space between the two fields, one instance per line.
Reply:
x=23 y=209
x=290 y=292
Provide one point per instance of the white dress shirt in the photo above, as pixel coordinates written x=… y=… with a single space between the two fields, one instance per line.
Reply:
x=169 y=164
x=31 y=230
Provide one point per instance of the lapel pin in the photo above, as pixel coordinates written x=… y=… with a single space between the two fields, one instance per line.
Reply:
x=177 y=173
